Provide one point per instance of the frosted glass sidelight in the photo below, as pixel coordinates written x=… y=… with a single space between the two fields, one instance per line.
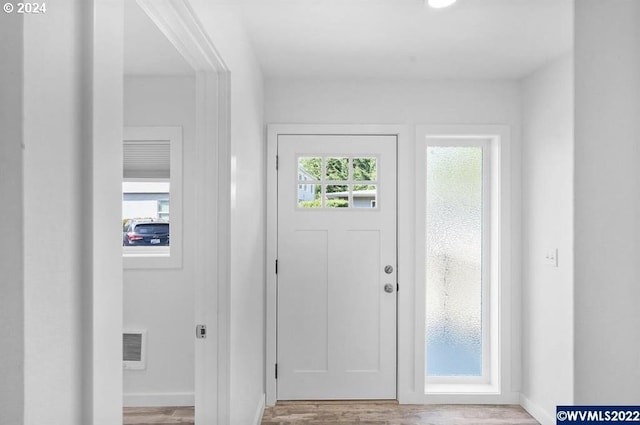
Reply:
x=454 y=232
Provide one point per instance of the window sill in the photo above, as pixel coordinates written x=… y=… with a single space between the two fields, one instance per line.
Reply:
x=155 y=258
x=430 y=389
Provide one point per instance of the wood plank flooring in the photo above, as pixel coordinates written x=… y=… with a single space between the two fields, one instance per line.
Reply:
x=158 y=415
x=391 y=413
x=351 y=413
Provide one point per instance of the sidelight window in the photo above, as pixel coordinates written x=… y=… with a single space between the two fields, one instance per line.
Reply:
x=458 y=335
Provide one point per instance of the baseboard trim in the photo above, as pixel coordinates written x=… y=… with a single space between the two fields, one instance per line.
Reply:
x=535 y=410
x=257 y=420
x=158 y=399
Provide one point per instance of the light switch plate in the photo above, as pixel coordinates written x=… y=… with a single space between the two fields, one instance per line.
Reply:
x=551 y=257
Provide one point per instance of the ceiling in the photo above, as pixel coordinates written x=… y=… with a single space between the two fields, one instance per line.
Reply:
x=401 y=39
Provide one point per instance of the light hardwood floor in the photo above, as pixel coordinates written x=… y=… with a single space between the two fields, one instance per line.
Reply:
x=391 y=413
x=158 y=415
x=347 y=413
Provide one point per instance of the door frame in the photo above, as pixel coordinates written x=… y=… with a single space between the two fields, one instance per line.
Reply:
x=180 y=25
x=404 y=242
x=178 y=22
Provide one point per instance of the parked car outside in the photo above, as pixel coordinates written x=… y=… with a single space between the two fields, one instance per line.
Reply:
x=145 y=233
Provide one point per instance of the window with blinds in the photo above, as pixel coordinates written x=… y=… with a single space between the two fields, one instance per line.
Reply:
x=144 y=159
x=151 y=189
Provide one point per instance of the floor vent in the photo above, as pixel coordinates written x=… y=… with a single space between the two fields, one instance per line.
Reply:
x=134 y=350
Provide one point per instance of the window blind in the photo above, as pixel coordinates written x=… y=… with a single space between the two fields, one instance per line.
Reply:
x=146 y=159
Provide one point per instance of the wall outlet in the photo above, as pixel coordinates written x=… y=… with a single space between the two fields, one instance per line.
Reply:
x=551 y=257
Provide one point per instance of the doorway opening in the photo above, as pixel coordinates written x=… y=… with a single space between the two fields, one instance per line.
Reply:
x=199 y=82
x=158 y=224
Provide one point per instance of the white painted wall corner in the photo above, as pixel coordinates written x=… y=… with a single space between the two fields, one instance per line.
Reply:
x=257 y=419
x=535 y=410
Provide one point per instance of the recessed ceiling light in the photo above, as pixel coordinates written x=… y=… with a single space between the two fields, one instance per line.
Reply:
x=439 y=4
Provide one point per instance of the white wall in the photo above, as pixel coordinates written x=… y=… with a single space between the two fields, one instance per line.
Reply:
x=547 y=296
x=161 y=301
x=392 y=102
x=411 y=103
x=11 y=279
x=72 y=285
x=54 y=239
x=607 y=214
x=247 y=280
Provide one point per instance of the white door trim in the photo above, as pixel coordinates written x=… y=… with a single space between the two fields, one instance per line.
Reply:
x=178 y=22
x=180 y=25
x=273 y=131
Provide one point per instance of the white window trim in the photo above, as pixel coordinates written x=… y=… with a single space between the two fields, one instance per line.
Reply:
x=456 y=390
x=160 y=257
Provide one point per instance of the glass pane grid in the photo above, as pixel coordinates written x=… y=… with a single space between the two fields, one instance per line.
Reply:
x=330 y=182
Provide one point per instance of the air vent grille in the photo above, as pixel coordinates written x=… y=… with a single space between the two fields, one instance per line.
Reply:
x=133 y=350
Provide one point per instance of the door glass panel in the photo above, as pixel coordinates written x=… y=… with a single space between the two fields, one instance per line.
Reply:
x=309 y=187
x=341 y=182
x=365 y=196
x=454 y=232
x=309 y=168
x=337 y=169
x=364 y=169
x=309 y=195
x=337 y=196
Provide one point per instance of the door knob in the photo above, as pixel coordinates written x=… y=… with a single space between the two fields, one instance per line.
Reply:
x=388 y=288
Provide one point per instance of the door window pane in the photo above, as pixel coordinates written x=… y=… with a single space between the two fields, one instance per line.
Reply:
x=365 y=196
x=309 y=195
x=309 y=168
x=309 y=187
x=454 y=234
x=337 y=169
x=337 y=196
x=364 y=169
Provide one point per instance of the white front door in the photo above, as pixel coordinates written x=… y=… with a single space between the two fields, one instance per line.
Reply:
x=336 y=292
